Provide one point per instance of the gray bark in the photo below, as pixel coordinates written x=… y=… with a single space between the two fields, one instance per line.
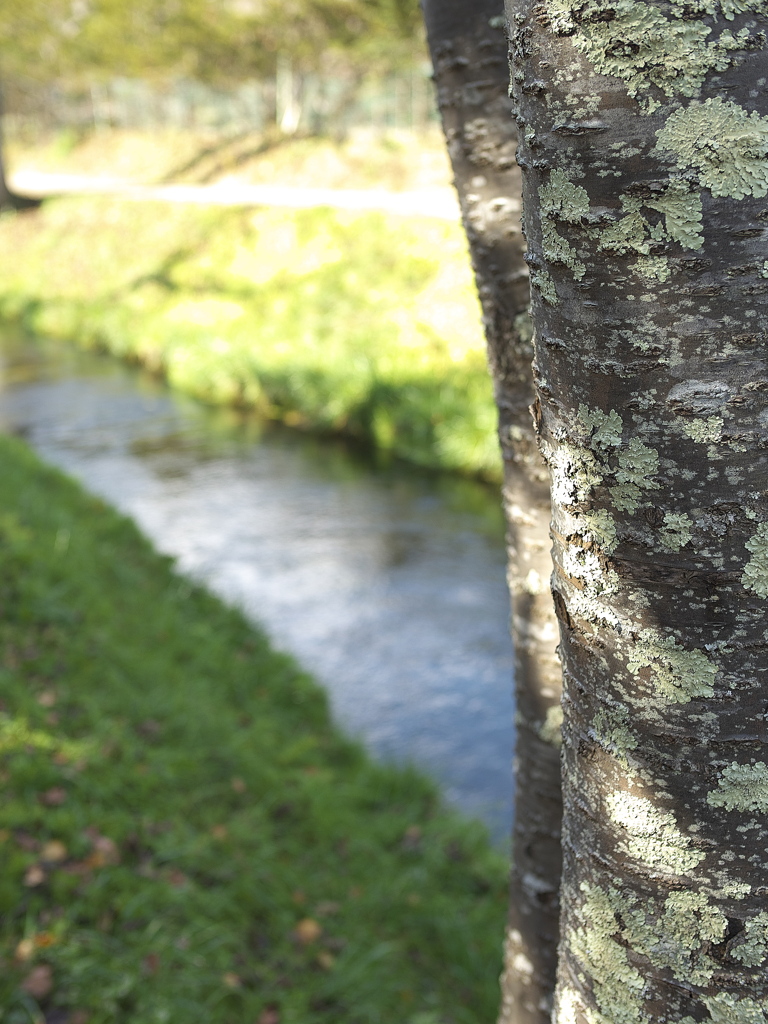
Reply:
x=468 y=48
x=645 y=134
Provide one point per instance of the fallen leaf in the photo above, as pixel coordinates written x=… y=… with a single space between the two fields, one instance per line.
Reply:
x=39 y=982
x=47 y=698
x=269 y=1015
x=60 y=758
x=326 y=960
x=53 y=797
x=53 y=852
x=105 y=852
x=177 y=878
x=151 y=963
x=238 y=785
x=307 y=930
x=298 y=897
x=26 y=842
x=219 y=832
x=5 y=835
x=24 y=949
x=45 y=939
x=231 y=980
x=33 y=876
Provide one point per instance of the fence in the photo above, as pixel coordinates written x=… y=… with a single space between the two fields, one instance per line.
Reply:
x=292 y=100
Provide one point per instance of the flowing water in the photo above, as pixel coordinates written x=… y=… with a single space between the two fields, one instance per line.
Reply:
x=386 y=582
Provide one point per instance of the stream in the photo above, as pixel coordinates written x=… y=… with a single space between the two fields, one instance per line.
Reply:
x=384 y=581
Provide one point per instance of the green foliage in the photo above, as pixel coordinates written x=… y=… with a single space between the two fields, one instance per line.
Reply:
x=346 y=323
x=184 y=836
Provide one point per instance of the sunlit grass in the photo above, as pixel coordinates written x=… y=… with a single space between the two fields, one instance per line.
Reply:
x=361 y=324
x=184 y=836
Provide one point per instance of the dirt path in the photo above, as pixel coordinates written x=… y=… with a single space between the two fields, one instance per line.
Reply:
x=433 y=202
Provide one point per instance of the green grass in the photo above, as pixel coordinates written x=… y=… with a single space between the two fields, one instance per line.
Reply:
x=184 y=836
x=361 y=324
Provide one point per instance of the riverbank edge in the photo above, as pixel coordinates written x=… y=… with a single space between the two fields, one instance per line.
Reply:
x=396 y=388
x=185 y=833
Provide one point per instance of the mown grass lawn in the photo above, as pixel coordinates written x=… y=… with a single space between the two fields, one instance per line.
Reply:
x=184 y=835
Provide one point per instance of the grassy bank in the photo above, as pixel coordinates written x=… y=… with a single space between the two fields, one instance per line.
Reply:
x=364 y=324
x=183 y=835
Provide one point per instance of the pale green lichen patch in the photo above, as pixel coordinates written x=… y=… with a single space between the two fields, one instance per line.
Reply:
x=551 y=728
x=755 y=575
x=610 y=728
x=742 y=787
x=575 y=472
x=599 y=527
x=751 y=946
x=561 y=200
x=651 y=835
x=706 y=431
x=727 y=1009
x=544 y=284
x=637 y=465
x=724 y=143
x=676 y=531
x=604 y=428
x=617 y=985
x=640 y=45
x=678 y=675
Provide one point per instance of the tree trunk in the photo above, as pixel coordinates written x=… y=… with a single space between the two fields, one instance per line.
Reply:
x=645 y=135
x=468 y=50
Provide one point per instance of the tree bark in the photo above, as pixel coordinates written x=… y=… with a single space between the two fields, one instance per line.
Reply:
x=644 y=132
x=468 y=48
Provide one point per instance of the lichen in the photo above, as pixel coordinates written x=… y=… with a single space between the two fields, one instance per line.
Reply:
x=551 y=728
x=705 y=431
x=643 y=48
x=741 y=787
x=676 y=531
x=678 y=675
x=617 y=985
x=541 y=280
x=599 y=526
x=755 y=575
x=610 y=727
x=575 y=472
x=651 y=835
x=604 y=428
x=724 y=143
x=751 y=946
x=727 y=1009
x=637 y=465
x=561 y=200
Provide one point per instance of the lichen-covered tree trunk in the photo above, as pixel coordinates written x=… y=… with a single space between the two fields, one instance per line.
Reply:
x=469 y=54
x=645 y=134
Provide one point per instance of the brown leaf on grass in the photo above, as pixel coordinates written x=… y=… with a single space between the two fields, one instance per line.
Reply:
x=5 y=835
x=60 y=758
x=177 y=878
x=26 y=842
x=269 y=1015
x=219 y=832
x=53 y=797
x=326 y=960
x=238 y=784
x=307 y=930
x=327 y=907
x=34 y=876
x=298 y=897
x=105 y=852
x=47 y=698
x=43 y=940
x=39 y=982
x=24 y=950
x=231 y=980
x=151 y=963
x=53 y=852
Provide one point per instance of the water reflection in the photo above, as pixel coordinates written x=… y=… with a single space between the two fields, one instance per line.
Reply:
x=388 y=584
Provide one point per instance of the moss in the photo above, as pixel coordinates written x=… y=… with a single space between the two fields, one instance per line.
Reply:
x=755 y=575
x=651 y=835
x=678 y=675
x=723 y=143
x=742 y=788
x=676 y=531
